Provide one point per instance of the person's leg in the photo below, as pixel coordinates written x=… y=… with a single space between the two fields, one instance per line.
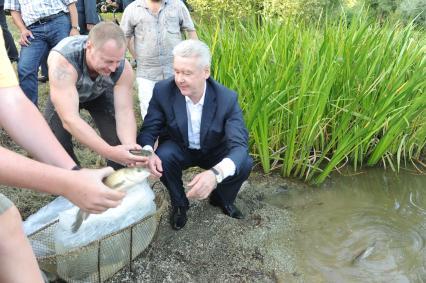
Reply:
x=12 y=51
x=29 y=62
x=17 y=260
x=44 y=77
x=174 y=159
x=102 y=111
x=145 y=88
x=57 y=29
x=55 y=124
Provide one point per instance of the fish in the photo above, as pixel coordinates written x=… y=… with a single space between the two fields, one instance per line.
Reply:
x=121 y=180
x=363 y=254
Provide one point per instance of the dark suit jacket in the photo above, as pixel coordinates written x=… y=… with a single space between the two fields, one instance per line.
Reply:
x=222 y=123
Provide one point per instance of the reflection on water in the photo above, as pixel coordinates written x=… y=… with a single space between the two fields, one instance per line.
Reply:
x=364 y=228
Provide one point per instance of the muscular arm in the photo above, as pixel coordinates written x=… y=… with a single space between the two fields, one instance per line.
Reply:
x=64 y=96
x=16 y=110
x=123 y=104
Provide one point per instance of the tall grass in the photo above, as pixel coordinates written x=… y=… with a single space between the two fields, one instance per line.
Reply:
x=316 y=97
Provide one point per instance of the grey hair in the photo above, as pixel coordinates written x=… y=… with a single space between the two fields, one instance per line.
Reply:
x=194 y=48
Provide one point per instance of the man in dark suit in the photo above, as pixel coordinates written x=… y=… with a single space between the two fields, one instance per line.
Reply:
x=203 y=126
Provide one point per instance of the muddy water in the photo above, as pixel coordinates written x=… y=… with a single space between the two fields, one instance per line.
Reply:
x=365 y=228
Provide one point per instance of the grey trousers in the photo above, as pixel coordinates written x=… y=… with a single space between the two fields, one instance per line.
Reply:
x=101 y=109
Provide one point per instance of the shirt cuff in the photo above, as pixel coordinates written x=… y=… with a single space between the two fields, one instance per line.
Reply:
x=148 y=147
x=227 y=167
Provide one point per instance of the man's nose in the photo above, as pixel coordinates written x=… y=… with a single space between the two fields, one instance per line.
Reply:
x=113 y=67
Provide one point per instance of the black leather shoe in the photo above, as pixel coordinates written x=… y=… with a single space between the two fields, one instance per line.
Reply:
x=178 y=217
x=229 y=209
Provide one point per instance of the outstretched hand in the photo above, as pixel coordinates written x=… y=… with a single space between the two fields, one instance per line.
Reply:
x=89 y=192
x=154 y=164
x=202 y=185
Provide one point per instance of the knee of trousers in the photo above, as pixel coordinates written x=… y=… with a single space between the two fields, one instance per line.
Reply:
x=169 y=157
x=246 y=167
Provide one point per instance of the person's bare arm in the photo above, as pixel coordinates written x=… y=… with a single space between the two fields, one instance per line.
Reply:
x=19 y=23
x=84 y=188
x=192 y=34
x=37 y=138
x=74 y=18
x=123 y=104
x=64 y=96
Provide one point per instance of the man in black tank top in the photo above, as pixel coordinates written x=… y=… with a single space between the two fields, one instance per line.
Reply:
x=91 y=73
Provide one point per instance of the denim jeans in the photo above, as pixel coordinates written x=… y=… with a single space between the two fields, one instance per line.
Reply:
x=12 y=52
x=46 y=36
x=102 y=111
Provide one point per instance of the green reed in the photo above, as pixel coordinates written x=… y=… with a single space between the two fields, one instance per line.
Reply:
x=317 y=97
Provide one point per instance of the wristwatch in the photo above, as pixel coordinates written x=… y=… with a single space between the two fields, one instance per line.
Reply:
x=76 y=27
x=217 y=174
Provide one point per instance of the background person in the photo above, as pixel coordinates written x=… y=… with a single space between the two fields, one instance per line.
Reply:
x=157 y=27
x=42 y=23
x=205 y=128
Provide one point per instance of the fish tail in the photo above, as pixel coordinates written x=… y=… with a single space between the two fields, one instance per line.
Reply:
x=81 y=216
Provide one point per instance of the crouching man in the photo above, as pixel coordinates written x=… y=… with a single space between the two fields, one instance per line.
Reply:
x=201 y=124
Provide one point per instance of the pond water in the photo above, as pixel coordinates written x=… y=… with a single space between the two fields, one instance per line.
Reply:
x=369 y=227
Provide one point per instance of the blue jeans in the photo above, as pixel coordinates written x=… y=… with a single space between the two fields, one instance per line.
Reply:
x=46 y=36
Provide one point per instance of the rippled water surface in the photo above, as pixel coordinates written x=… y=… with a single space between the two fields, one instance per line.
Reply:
x=365 y=228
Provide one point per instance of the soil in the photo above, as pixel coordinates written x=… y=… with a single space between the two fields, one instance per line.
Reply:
x=213 y=247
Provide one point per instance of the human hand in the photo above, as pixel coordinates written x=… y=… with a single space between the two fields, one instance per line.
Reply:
x=23 y=40
x=121 y=154
x=89 y=26
x=88 y=192
x=74 y=31
x=154 y=164
x=202 y=185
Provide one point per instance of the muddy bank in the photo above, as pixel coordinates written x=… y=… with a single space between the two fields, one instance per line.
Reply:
x=216 y=248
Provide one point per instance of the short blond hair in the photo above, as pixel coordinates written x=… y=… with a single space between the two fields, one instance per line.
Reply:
x=104 y=31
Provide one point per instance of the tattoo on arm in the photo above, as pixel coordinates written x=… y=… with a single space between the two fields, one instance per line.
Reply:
x=61 y=74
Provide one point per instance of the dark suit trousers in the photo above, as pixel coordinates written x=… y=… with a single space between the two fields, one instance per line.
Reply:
x=175 y=159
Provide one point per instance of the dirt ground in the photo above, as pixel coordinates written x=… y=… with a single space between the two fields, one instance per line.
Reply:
x=213 y=247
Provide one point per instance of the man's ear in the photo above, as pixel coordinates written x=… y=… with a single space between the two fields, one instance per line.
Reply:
x=207 y=72
x=89 y=44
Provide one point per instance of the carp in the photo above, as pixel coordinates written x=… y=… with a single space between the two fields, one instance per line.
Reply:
x=121 y=180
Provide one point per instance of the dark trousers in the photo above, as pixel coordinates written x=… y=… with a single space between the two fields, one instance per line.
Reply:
x=102 y=111
x=12 y=52
x=175 y=159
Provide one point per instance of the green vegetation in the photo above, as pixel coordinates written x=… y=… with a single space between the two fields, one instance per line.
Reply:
x=316 y=97
x=310 y=10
